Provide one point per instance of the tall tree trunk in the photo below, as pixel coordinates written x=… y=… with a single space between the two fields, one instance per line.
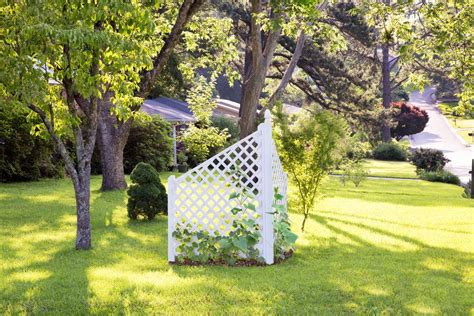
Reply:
x=386 y=92
x=111 y=139
x=261 y=56
x=113 y=134
x=82 y=192
x=252 y=89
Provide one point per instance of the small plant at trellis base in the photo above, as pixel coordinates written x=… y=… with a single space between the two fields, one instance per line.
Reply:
x=240 y=245
x=284 y=238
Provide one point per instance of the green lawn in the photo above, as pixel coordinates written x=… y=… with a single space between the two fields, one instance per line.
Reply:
x=395 y=247
x=390 y=169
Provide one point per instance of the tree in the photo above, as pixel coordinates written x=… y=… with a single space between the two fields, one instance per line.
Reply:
x=60 y=60
x=327 y=71
x=200 y=137
x=116 y=119
x=409 y=120
x=394 y=36
x=260 y=25
x=445 y=46
x=309 y=149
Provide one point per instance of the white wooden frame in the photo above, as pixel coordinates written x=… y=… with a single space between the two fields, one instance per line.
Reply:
x=200 y=196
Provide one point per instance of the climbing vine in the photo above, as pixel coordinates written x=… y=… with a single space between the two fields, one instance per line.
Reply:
x=240 y=244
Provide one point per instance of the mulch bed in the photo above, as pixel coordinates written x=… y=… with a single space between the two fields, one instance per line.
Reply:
x=239 y=263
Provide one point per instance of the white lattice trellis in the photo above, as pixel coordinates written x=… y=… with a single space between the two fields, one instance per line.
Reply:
x=200 y=197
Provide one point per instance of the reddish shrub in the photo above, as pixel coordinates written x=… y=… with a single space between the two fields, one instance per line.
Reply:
x=409 y=120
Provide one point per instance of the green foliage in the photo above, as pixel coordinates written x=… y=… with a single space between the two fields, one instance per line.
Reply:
x=284 y=238
x=354 y=172
x=229 y=124
x=149 y=141
x=450 y=44
x=355 y=243
x=23 y=156
x=200 y=137
x=390 y=151
x=147 y=195
x=427 y=159
x=440 y=176
x=356 y=148
x=309 y=149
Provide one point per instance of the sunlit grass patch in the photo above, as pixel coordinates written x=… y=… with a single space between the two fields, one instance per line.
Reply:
x=395 y=247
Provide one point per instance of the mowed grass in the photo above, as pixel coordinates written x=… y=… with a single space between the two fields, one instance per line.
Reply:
x=393 y=247
x=388 y=169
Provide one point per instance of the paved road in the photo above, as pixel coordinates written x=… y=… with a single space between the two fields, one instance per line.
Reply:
x=438 y=134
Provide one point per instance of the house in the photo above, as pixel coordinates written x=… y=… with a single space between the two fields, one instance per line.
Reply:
x=180 y=115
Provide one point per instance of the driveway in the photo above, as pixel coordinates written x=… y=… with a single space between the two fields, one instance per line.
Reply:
x=438 y=134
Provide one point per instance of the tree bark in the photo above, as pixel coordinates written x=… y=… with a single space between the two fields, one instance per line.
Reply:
x=386 y=92
x=111 y=139
x=83 y=236
x=113 y=134
x=254 y=80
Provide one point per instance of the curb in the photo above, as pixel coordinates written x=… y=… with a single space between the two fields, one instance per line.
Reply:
x=452 y=128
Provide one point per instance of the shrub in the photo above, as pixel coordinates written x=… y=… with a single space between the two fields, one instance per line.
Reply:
x=23 y=156
x=428 y=159
x=149 y=142
x=354 y=172
x=201 y=138
x=440 y=176
x=147 y=195
x=390 y=151
x=409 y=120
x=222 y=123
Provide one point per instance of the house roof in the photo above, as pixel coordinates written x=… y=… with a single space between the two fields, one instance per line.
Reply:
x=169 y=109
x=178 y=111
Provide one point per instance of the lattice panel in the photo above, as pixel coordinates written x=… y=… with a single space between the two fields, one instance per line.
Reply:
x=280 y=179
x=200 y=197
x=202 y=194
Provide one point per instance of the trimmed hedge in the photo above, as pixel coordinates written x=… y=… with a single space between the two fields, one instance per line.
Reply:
x=390 y=151
x=440 y=176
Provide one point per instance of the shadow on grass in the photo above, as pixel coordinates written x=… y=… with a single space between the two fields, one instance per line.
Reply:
x=360 y=277
x=127 y=270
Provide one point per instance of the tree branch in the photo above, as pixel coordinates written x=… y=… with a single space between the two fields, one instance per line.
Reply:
x=289 y=71
x=186 y=11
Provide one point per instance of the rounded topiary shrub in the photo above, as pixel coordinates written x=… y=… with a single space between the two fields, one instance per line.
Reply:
x=390 y=151
x=147 y=195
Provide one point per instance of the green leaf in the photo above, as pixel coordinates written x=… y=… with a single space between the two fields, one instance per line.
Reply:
x=241 y=243
x=291 y=237
x=224 y=243
x=234 y=195
x=251 y=206
x=235 y=210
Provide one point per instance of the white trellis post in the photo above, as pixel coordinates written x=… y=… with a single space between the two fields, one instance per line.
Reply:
x=200 y=197
x=171 y=217
x=267 y=189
